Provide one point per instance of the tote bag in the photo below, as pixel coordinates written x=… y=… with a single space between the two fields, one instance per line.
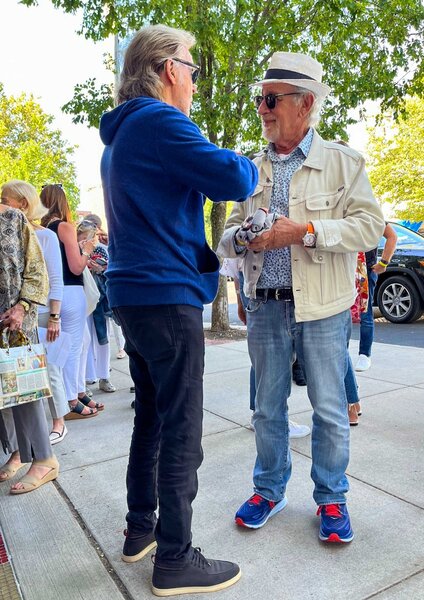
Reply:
x=91 y=291
x=23 y=373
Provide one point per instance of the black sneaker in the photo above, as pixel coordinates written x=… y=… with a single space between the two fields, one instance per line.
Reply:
x=137 y=545
x=199 y=575
x=298 y=374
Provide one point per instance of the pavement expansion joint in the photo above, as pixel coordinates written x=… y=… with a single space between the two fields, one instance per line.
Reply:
x=94 y=543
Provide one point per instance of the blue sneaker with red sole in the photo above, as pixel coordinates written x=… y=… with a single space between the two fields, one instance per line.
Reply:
x=335 y=524
x=256 y=511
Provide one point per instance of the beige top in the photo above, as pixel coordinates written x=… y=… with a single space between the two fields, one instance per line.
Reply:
x=332 y=191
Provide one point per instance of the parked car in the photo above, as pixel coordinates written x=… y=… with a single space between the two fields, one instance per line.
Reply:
x=400 y=290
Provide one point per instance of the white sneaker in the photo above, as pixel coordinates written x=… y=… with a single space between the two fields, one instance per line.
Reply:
x=298 y=431
x=106 y=386
x=364 y=363
x=251 y=426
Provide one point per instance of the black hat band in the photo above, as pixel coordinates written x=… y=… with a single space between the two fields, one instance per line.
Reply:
x=284 y=74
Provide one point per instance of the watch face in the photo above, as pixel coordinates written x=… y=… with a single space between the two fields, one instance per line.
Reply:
x=309 y=240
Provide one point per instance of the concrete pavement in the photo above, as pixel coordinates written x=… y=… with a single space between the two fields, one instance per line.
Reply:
x=64 y=540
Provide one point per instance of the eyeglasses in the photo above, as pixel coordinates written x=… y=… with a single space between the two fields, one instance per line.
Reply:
x=86 y=224
x=196 y=68
x=271 y=99
x=47 y=185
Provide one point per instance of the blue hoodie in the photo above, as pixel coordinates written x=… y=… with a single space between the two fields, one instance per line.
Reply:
x=156 y=169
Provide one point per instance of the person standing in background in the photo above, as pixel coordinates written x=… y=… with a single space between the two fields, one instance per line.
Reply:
x=374 y=269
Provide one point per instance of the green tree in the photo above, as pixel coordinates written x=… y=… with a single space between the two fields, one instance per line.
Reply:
x=396 y=155
x=365 y=47
x=31 y=149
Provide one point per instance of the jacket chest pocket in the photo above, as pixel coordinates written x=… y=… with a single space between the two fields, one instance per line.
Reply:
x=262 y=195
x=326 y=203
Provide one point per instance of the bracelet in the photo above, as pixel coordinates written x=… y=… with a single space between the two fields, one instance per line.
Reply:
x=85 y=254
x=383 y=263
x=54 y=319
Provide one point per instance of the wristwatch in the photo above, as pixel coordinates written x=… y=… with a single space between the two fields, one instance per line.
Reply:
x=310 y=238
x=25 y=304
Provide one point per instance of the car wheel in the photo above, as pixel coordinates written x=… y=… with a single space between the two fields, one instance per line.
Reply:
x=398 y=300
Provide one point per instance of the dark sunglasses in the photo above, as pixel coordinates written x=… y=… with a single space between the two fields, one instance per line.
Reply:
x=271 y=99
x=47 y=185
x=196 y=68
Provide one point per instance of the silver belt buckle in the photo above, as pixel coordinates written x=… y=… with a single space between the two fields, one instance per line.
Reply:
x=277 y=294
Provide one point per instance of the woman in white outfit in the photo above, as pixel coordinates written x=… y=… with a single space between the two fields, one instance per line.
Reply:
x=74 y=260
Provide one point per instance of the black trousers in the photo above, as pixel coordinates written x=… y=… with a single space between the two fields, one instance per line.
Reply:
x=165 y=345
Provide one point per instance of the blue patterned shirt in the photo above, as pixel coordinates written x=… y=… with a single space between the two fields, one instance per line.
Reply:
x=276 y=271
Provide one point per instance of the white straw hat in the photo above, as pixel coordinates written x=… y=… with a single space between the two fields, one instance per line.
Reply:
x=296 y=69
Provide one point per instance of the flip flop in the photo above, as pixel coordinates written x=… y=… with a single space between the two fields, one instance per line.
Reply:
x=75 y=412
x=10 y=470
x=86 y=401
x=31 y=483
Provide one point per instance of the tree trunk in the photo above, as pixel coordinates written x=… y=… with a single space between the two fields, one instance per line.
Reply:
x=220 y=320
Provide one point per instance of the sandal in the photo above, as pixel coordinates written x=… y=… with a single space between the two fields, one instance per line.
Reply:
x=10 y=470
x=86 y=401
x=76 y=412
x=57 y=436
x=31 y=483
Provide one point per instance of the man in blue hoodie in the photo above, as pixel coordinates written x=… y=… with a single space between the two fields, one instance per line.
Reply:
x=157 y=168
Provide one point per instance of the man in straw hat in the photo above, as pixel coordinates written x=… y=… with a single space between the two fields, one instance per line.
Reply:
x=299 y=277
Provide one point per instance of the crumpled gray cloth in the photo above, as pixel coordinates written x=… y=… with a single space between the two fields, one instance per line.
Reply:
x=255 y=225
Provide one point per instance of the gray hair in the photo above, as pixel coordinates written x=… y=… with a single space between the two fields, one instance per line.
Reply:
x=314 y=113
x=144 y=58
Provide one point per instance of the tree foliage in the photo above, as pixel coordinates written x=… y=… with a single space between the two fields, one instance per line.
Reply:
x=396 y=151
x=31 y=149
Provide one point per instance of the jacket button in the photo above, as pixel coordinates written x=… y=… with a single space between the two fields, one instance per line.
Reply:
x=319 y=258
x=327 y=203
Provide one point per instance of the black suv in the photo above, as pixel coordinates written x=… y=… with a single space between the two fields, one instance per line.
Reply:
x=400 y=290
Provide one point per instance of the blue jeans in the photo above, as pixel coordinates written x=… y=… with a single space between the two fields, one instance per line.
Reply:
x=272 y=330
x=351 y=385
x=367 y=319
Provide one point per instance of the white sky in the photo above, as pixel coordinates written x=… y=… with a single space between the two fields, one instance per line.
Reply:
x=42 y=54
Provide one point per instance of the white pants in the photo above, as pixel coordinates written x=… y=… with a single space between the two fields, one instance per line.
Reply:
x=73 y=322
x=98 y=358
x=117 y=332
x=57 y=402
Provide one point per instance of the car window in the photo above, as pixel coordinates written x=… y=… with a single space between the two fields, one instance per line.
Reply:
x=407 y=239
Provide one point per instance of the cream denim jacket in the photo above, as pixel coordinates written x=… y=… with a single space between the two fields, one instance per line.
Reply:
x=332 y=191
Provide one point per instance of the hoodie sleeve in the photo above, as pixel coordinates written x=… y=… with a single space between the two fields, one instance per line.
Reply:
x=191 y=159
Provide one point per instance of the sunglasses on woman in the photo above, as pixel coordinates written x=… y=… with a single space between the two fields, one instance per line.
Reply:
x=271 y=99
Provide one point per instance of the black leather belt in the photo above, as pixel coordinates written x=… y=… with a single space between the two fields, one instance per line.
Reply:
x=285 y=293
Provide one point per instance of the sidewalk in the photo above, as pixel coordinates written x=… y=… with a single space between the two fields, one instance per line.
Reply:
x=65 y=539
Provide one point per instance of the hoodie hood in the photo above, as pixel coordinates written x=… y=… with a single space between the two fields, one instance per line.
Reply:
x=111 y=121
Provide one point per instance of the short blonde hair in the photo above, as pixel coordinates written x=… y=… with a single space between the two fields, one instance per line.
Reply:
x=21 y=190
x=145 y=57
